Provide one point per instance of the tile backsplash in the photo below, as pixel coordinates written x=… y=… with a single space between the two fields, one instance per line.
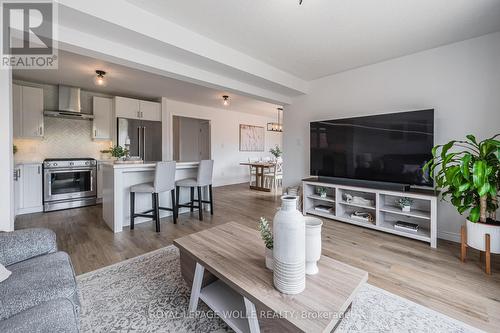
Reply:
x=63 y=138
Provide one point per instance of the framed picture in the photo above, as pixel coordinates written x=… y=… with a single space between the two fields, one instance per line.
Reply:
x=251 y=138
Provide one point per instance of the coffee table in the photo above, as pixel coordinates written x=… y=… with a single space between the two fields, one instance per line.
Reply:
x=225 y=265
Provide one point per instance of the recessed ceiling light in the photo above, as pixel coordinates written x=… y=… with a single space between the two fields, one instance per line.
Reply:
x=99 y=79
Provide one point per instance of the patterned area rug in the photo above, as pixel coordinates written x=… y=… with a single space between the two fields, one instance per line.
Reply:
x=148 y=294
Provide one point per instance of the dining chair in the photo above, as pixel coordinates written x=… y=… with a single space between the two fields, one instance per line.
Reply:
x=252 y=170
x=274 y=177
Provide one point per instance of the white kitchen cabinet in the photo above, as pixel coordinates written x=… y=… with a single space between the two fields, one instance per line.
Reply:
x=99 y=180
x=28 y=111
x=103 y=118
x=127 y=108
x=137 y=109
x=28 y=188
x=150 y=110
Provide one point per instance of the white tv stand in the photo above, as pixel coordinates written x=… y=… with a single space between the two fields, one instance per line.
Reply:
x=384 y=209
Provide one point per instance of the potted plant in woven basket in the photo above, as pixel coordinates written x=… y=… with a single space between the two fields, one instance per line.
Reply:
x=467 y=173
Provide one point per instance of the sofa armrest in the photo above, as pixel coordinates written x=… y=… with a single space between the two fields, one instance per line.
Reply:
x=24 y=244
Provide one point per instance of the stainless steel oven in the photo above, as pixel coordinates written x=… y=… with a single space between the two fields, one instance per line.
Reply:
x=69 y=183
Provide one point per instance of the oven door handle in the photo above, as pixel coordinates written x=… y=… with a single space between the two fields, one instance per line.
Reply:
x=71 y=170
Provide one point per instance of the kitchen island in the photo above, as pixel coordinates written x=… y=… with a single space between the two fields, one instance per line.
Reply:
x=117 y=180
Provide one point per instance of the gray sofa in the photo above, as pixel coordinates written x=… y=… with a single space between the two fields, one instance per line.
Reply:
x=41 y=293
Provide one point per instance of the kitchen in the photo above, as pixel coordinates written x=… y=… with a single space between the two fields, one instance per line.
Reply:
x=63 y=121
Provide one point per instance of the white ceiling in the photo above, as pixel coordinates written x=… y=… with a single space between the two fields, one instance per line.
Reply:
x=322 y=37
x=77 y=70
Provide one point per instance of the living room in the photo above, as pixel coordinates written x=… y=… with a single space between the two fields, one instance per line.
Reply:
x=394 y=75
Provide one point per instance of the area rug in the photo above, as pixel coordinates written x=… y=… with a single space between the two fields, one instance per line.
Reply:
x=148 y=294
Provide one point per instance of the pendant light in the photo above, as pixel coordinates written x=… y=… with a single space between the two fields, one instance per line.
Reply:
x=278 y=126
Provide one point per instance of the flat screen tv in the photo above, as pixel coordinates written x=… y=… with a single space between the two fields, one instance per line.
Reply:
x=390 y=147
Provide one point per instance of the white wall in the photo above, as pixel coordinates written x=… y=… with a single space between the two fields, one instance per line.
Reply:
x=6 y=157
x=225 y=138
x=460 y=81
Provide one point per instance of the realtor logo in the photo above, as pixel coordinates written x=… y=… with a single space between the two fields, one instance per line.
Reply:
x=28 y=29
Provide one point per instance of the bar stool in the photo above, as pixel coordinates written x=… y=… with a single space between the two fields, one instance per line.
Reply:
x=164 y=181
x=204 y=178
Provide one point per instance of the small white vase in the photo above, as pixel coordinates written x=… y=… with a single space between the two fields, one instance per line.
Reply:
x=289 y=247
x=269 y=258
x=313 y=244
x=406 y=208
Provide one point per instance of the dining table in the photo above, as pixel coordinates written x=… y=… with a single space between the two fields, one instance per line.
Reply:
x=259 y=174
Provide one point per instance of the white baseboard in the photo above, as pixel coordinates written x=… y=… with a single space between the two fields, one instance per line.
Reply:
x=21 y=211
x=450 y=236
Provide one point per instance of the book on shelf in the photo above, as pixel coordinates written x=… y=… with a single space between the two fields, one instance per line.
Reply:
x=406 y=226
x=324 y=209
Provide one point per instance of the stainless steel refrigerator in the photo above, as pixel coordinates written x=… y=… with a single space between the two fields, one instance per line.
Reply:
x=143 y=137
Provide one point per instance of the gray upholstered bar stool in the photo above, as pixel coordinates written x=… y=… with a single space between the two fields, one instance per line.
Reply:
x=164 y=181
x=204 y=178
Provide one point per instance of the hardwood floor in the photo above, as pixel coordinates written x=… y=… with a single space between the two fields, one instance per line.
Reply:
x=432 y=277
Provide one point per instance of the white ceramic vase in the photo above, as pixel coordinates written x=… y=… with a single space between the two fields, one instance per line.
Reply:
x=269 y=258
x=313 y=244
x=476 y=235
x=289 y=248
x=406 y=208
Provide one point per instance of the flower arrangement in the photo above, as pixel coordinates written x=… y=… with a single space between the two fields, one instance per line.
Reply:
x=276 y=151
x=266 y=233
x=116 y=151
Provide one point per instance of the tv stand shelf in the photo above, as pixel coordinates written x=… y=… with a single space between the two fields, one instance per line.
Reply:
x=381 y=204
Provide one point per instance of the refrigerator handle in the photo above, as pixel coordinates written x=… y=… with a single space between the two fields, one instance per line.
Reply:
x=139 y=141
x=144 y=143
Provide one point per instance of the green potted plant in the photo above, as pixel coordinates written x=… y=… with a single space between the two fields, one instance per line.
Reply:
x=276 y=152
x=467 y=173
x=322 y=191
x=405 y=204
x=117 y=151
x=267 y=236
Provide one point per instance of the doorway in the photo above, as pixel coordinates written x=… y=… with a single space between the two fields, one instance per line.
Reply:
x=191 y=139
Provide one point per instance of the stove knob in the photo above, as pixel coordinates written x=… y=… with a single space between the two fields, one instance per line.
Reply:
x=71 y=163
x=54 y=164
x=87 y=163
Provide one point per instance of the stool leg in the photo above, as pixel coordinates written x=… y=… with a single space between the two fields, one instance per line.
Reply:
x=178 y=194
x=211 y=199
x=487 y=255
x=200 y=205
x=174 y=213
x=156 y=213
x=463 y=250
x=132 y=209
x=192 y=199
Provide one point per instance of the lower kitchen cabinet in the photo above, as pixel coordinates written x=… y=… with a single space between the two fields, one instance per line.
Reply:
x=28 y=188
x=99 y=181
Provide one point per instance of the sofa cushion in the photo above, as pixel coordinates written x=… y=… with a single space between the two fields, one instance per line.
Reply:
x=19 y=245
x=57 y=316
x=35 y=281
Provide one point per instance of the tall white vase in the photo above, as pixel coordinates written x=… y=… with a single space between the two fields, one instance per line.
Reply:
x=313 y=244
x=289 y=247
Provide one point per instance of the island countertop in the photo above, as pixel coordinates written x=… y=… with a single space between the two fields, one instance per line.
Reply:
x=149 y=164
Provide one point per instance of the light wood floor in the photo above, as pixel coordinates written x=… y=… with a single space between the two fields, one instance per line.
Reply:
x=432 y=277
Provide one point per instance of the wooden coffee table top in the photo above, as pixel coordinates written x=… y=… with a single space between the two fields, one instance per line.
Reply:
x=235 y=254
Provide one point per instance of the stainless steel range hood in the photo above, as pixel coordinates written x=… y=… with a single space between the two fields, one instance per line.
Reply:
x=69 y=105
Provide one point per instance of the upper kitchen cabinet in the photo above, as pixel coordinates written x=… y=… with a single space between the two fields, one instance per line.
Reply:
x=103 y=118
x=27 y=103
x=137 y=109
x=150 y=110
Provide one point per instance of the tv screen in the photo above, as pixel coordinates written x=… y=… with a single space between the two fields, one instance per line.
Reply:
x=389 y=147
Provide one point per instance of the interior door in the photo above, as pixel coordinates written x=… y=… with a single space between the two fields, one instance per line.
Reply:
x=129 y=130
x=151 y=141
